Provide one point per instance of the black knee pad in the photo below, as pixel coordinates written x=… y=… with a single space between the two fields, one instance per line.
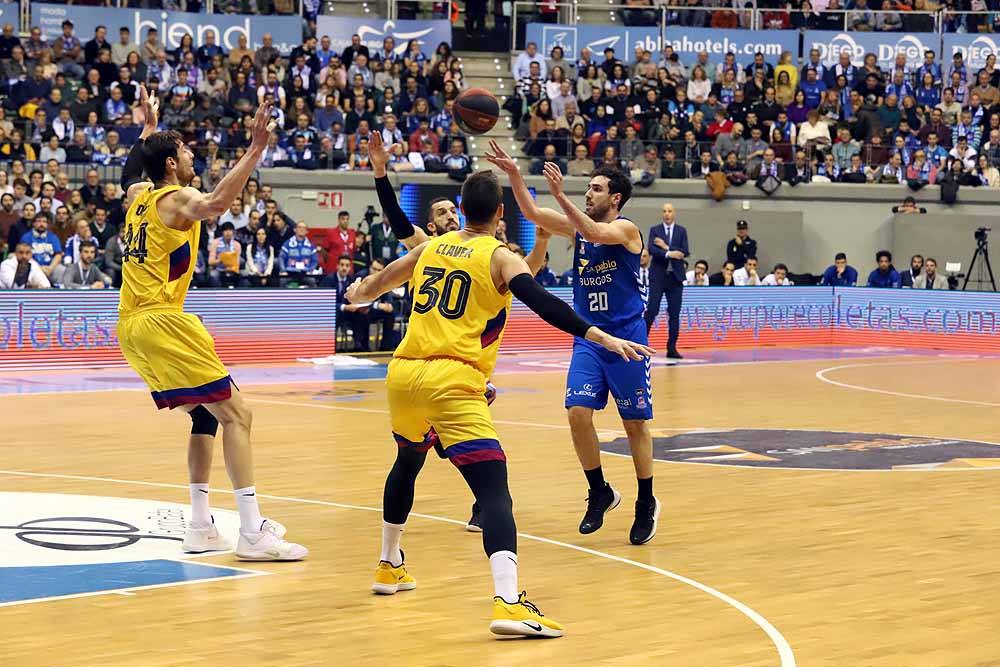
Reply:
x=202 y=422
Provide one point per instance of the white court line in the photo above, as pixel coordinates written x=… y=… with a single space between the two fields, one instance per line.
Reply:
x=785 y=654
x=821 y=376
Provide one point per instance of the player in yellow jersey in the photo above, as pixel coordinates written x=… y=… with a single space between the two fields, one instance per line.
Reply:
x=463 y=283
x=170 y=349
x=442 y=217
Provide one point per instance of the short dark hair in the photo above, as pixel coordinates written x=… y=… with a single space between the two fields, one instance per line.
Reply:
x=753 y=257
x=430 y=206
x=157 y=149
x=342 y=213
x=911 y=259
x=703 y=263
x=618 y=182
x=839 y=256
x=931 y=259
x=781 y=266
x=481 y=197
x=883 y=253
x=343 y=257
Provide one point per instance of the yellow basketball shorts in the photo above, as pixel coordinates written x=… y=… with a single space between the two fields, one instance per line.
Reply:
x=448 y=395
x=175 y=355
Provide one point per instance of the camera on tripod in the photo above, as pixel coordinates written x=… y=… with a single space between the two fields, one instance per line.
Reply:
x=982 y=233
x=983 y=269
x=371 y=214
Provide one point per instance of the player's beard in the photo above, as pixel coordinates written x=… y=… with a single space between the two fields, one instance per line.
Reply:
x=599 y=211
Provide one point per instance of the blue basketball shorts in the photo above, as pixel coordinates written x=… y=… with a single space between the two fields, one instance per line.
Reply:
x=594 y=372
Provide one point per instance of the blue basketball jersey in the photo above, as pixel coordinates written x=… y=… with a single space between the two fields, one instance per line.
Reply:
x=607 y=291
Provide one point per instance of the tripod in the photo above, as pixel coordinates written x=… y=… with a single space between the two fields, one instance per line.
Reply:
x=982 y=251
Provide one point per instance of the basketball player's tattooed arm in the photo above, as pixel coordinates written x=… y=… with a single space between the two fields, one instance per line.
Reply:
x=397 y=273
x=409 y=234
x=185 y=206
x=132 y=182
x=553 y=221
x=511 y=271
x=617 y=232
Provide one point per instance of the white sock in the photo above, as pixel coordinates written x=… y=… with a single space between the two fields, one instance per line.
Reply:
x=392 y=533
x=246 y=503
x=503 y=565
x=201 y=515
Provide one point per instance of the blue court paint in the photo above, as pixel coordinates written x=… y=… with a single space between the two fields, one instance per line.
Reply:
x=23 y=584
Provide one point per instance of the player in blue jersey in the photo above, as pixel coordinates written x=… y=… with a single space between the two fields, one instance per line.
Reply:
x=607 y=293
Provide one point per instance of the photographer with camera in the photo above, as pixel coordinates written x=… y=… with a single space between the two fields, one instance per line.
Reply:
x=20 y=271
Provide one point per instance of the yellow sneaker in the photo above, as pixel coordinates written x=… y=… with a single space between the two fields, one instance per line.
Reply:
x=522 y=618
x=389 y=579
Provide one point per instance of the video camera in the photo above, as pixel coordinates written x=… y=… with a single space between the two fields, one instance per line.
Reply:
x=982 y=233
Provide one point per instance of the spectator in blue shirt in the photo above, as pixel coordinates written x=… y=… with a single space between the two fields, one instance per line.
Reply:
x=208 y=50
x=46 y=249
x=457 y=162
x=841 y=274
x=813 y=87
x=885 y=276
x=546 y=277
x=299 y=259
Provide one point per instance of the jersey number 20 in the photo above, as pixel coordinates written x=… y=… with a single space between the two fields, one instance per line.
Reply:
x=598 y=301
x=137 y=251
x=451 y=297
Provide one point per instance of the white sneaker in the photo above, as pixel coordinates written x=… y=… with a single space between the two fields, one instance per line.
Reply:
x=267 y=544
x=200 y=540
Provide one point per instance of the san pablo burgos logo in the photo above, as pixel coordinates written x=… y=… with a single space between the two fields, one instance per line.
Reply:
x=842 y=42
x=63 y=529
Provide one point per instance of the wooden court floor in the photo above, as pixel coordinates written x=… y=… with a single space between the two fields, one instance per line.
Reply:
x=751 y=566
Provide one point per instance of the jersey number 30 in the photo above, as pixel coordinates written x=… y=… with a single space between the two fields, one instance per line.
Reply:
x=137 y=251
x=451 y=297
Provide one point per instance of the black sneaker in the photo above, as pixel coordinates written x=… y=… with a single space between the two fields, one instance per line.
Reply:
x=475 y=524
x=647 y=514
x=599 y=502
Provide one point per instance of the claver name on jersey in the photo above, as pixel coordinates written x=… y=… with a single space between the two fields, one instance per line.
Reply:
x=457 y=251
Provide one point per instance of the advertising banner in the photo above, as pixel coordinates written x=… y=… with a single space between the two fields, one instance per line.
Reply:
x=973 y=47
x=689 y=42
x=885 y=46
x=172 y=26
x=595 y=37
x=374 y=30
x=42 y=329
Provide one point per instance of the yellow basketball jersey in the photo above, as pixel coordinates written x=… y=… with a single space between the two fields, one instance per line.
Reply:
x=457 y=311
x=157 y=262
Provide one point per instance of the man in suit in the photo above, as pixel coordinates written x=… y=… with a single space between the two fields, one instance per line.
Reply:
x=348 y=313
x=930 y=278
x=668 y=246
x=910 y=276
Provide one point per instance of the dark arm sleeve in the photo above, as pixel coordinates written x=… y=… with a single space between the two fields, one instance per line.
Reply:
x=401 y=225
x=552 y=309
x=132 y=172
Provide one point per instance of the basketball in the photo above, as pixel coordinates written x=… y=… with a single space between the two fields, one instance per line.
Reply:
x=476 y=111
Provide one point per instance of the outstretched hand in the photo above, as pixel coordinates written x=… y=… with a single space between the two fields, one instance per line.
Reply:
x=150 y=109
x=263 y=125
x=500 y=159
x=554 y=177
x=379 y=154
x=626 y=349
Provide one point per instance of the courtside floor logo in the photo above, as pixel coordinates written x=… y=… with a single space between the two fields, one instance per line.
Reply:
x=61 y=545
x=824 y=450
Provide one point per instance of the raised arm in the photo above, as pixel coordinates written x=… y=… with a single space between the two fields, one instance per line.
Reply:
x=132 y=181
x=536 y=258
x=188 y=204
x=553 y=221
x=409 y=234
x=617 y=232
x=395 y=274
x=510 y=270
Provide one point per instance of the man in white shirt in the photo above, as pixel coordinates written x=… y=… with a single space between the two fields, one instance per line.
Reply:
x=778 y=277
x=964 y=152
x=697 y=277
x=235 y=215
x=747 y=276
x=20 y=271
x=522 y=63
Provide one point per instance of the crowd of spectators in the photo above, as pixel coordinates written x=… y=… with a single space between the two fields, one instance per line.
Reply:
x=766 y=123
x=851 y=15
